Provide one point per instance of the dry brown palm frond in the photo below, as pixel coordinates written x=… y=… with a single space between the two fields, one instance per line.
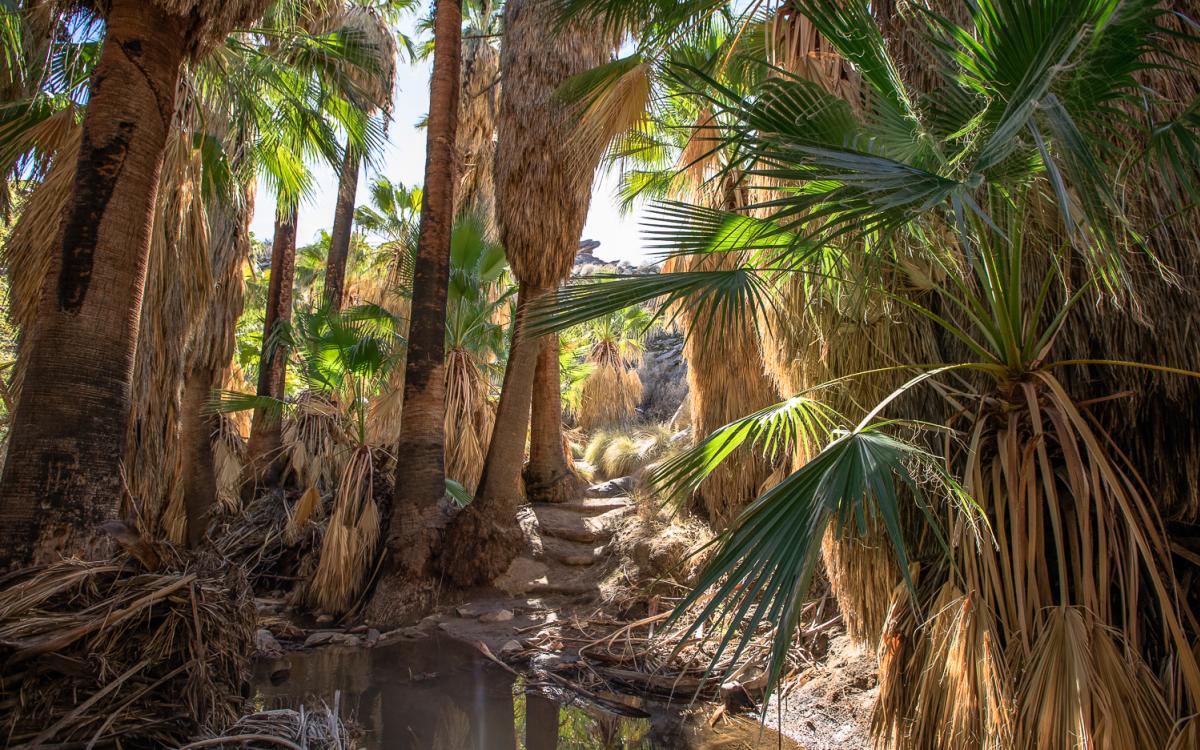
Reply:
x=475 y=139
x=302 y=513
x=167 y=648
x=469 y=418
x=349 y=546
x=229 y=462
x=178 y=282
x=212 y=20
x=312 y=728
x=314 y=441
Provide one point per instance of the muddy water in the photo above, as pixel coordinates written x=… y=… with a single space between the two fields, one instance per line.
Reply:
x=439 y=694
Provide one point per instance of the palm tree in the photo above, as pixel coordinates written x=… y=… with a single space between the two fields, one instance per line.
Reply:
x=61 y=476
x=351 y=108
x=372 y=23
x=983 y=200
x=420 y=472
x=543 y=186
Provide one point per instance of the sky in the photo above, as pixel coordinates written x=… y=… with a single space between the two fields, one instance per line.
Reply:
x=403 y=159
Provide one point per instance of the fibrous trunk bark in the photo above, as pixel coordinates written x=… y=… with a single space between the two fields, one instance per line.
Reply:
x=266 y=430
x=62 y=476
x=339 y=237
x=417 y=514
x=485 y=537
x=549 y=475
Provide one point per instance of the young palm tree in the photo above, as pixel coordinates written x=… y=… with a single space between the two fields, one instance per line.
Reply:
x=62 y=476
x=543 y=184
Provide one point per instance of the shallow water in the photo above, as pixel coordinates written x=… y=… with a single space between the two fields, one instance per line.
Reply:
x=439 y=694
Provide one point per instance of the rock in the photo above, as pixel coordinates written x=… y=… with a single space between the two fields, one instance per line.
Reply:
x=265 y=644
x=499 y=615
x=612 y=488
x=372 y=637
x=510 y=648
x=521 y=576
x=320 y=638
x=358 y=629
x=324 y=619
x=345 y=639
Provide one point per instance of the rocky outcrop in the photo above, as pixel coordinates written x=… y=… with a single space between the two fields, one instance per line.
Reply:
x=664 y=376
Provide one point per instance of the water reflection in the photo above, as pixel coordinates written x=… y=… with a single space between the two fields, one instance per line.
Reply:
x=438 y=694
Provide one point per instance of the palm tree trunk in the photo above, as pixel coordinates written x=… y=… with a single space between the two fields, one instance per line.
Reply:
x=266 y=430
x=485 y=536
x=339 y=238
x=62 y=476
x=420 y=474
x=209 y=354
x=549 y=475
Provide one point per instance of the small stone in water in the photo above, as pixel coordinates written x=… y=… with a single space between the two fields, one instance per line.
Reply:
x=500 y=615
x=510 y=648
x=324 y=619
x=318 y=639
x=372 y=637
x=266 y=645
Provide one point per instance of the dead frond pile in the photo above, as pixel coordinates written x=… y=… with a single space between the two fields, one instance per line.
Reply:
x=272 y=537
x=320 y=729
x=109 y=653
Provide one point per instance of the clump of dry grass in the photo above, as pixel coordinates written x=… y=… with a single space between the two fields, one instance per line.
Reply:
x=115 y=652
x=349 y=545
x=619 y=454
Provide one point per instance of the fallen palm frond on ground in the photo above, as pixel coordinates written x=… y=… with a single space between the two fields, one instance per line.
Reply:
x=271 y=537
x=103 y=653
x=654 y=657
x=320 y=729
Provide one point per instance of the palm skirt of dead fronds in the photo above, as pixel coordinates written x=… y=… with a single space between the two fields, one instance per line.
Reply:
x=611 y=392
x=351 y=538
x=469 y=418
x=104 y=653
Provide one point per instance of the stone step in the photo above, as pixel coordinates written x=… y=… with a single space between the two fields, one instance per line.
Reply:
x=571 y=553
x=571 y=525
x=594 y=506
x=526 y=576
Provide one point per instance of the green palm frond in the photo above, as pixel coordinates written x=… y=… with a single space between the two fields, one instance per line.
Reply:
x=776 y=431
x=764 y=565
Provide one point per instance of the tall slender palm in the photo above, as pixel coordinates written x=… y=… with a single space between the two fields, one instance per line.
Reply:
x=543 y=181
x=372 y=23
x=62 y=476
x=265 y=442
x=420 y=472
